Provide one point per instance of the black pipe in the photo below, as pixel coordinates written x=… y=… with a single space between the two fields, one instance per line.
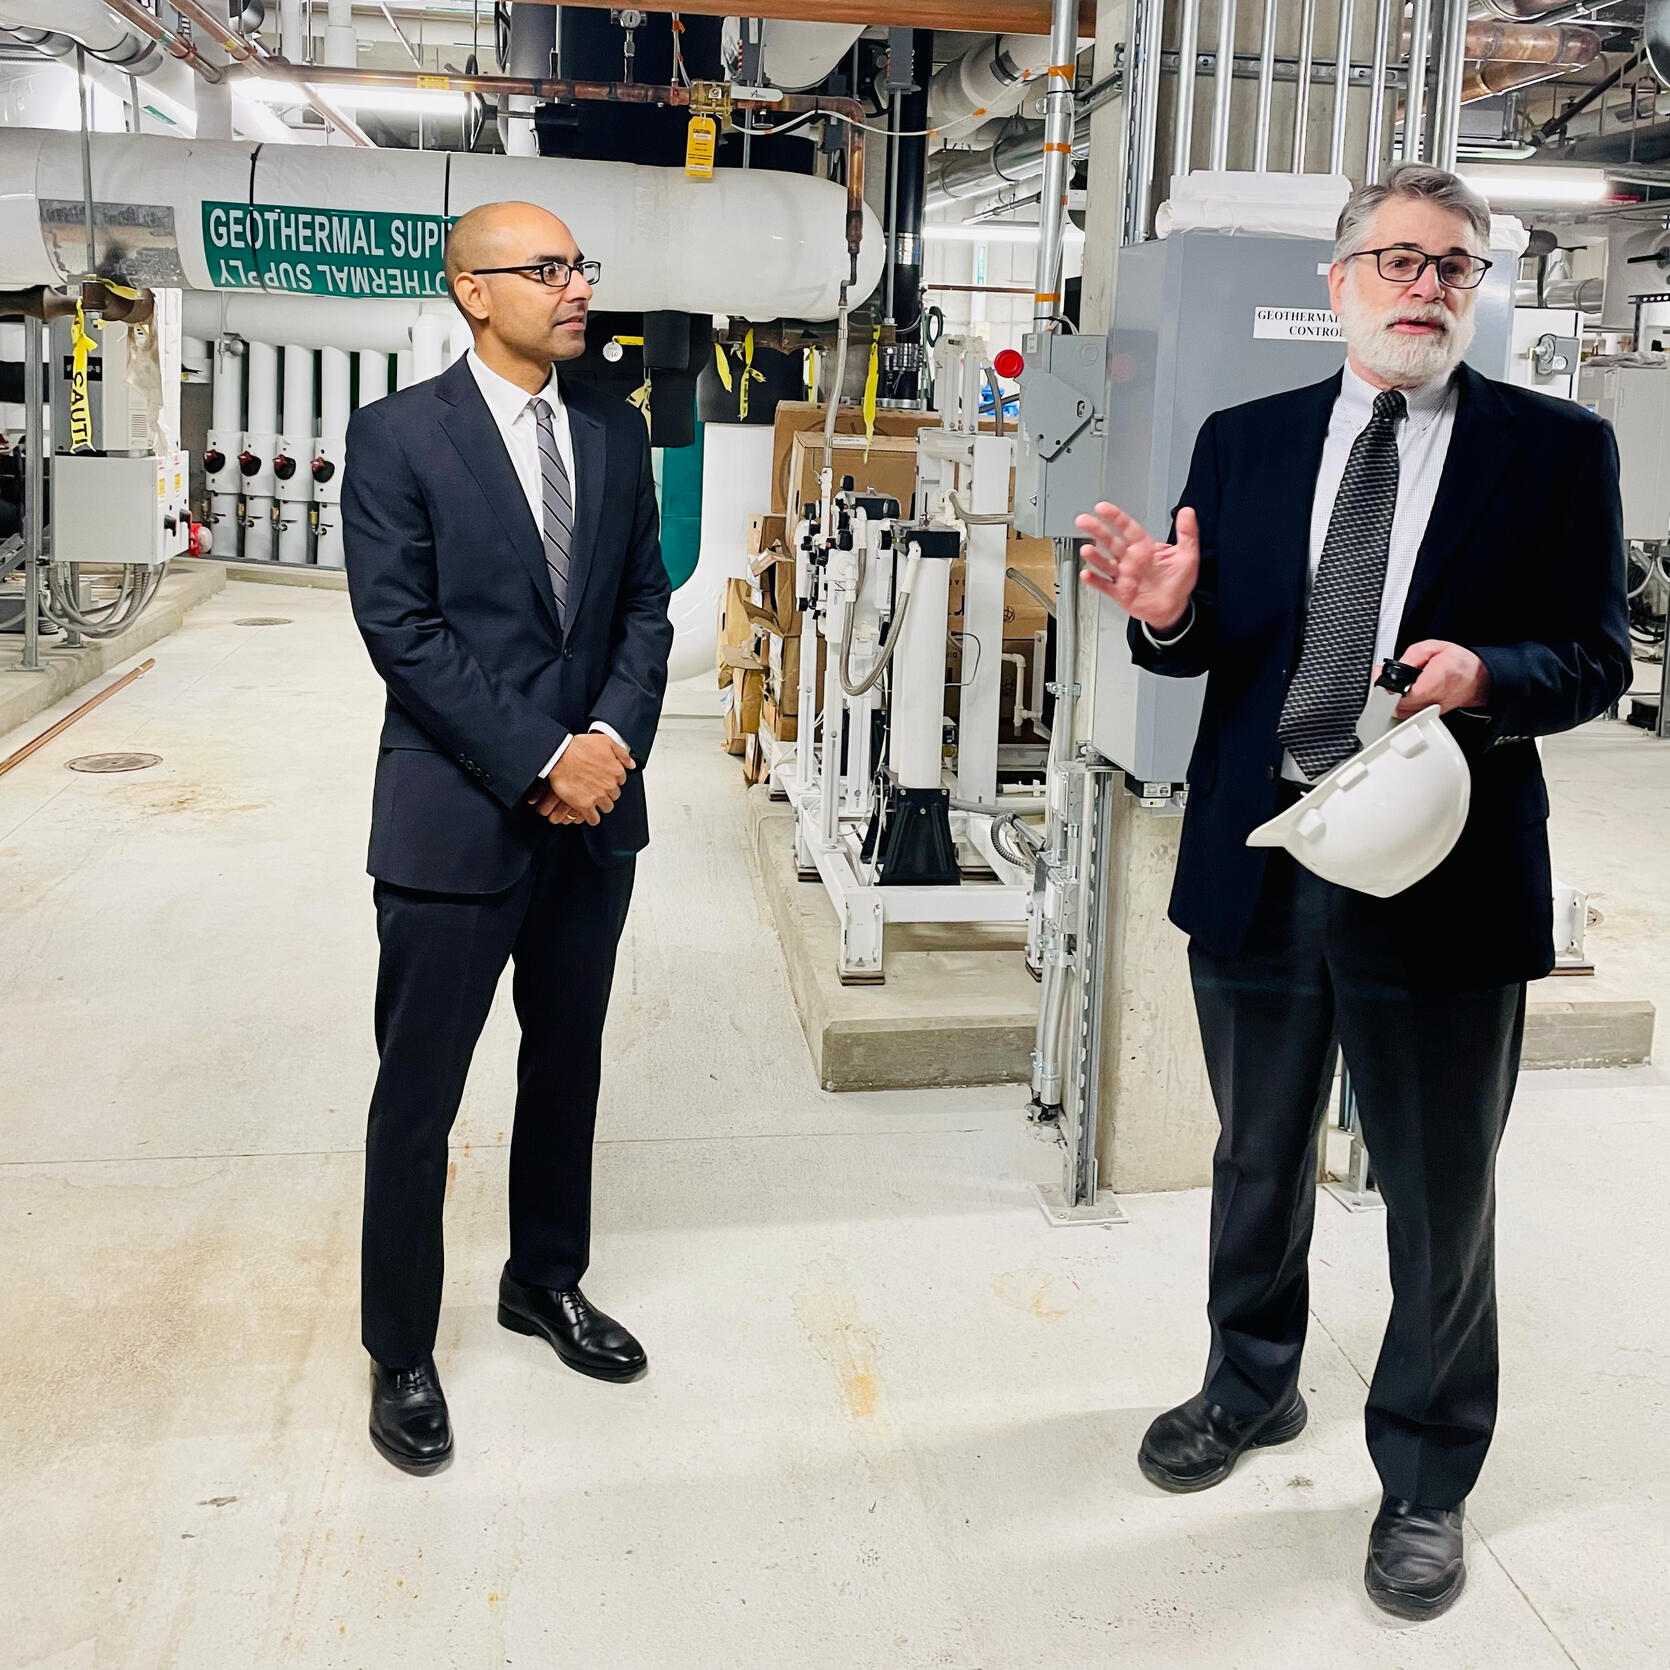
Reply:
x=1557 y=124
x=907 y=182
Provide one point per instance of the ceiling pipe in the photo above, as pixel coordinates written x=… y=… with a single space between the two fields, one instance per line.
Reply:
x=254 y=55
x=1003 y=17
x=1568 y=45
x=136 y=17
x=849 y=112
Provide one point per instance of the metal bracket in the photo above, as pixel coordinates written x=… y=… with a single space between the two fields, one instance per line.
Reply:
x=1055 y=413
x=711 y=98
x=1104 y=1209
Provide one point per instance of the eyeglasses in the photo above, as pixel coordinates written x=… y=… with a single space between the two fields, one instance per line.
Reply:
x=554 y=275
x=1401 y=265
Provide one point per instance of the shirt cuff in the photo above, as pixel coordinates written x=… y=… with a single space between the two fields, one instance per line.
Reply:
x=597 y=725
x=1176 y=637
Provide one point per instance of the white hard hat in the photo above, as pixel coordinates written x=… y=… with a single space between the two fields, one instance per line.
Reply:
x=1386 y=817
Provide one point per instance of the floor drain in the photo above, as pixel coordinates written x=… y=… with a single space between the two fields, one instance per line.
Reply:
x=263 y=620
x=114 y=762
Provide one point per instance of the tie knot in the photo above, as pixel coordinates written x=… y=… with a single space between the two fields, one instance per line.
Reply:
x=1389 y=405
x=541 y=409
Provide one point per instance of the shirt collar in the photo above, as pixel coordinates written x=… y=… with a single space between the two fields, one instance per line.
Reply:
x=1424 y=402
x=507 y=400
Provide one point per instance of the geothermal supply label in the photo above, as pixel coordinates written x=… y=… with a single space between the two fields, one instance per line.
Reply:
x=323 y=252
x=1296 y=324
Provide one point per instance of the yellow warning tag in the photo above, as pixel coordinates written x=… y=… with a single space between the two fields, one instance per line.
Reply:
x=81 y=410
x=435 y=83
x=699 y=144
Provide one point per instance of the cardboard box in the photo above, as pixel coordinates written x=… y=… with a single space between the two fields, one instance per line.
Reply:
x=783 y=673
x=743 y=628
x=753 y=760
x=1023 y=614
x=773 y=573
x=766 y=531
x=739 y=703
x=783 y=726
x=890 y=468
x=798 y=416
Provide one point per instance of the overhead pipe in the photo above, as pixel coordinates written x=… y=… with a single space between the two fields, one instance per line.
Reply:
x=1446 y=97
x=955 y=176
x=146 y=23
x=533 y=40
x=796 y=55
x=1342 y=85
x=1007 y=17
x=1414 y=110
x=991 y=79
x=1373 y=145
x=1532 y=54
x=254 y=55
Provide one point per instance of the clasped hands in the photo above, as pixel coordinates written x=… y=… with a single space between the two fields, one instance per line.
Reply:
x=586 y=782
x=1153 y=582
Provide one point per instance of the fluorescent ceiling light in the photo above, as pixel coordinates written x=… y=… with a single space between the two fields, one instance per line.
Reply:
x=411 y=101
x=987 y=232
x=1507 y=184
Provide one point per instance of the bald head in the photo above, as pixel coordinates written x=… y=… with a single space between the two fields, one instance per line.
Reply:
x=522 y=325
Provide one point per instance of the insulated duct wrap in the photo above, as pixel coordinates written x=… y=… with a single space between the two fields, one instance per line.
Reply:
x=369 y=225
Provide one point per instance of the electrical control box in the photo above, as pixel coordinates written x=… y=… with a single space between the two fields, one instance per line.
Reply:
x=1633 y=395
x=120 y=508
x=1058 y=467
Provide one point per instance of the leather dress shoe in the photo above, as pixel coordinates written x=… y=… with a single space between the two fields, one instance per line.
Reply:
x=409 y=1423
x=1415 y=1567
x=583 y=1337
x=1197 y=1444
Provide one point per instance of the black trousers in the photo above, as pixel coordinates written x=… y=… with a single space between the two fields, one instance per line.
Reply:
x=1434 y=1073
x=442 y=956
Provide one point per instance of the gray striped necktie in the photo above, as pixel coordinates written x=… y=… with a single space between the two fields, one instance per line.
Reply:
x=1325 y=699
x=556 y=500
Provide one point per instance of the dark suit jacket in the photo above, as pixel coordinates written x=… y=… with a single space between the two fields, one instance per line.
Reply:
x=1522 y=562
x=446 y=569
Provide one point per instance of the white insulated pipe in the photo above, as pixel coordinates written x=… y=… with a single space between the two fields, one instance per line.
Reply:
x=291 y=40
x=368 y=224
x=260 y=444
x=990 y=80
x=294 y=488
x=430 y=336
x=226 y=441
x=405 y=368
x=795 y=56
x=374 y=377
x=329 y=454
x=533 y=40
x=313 y=321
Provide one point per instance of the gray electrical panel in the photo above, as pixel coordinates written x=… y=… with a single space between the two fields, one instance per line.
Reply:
x=1205 y=320
x=1634 y=397
x=1058 y=463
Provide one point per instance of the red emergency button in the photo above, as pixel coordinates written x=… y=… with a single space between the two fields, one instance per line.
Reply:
x=1009 y=363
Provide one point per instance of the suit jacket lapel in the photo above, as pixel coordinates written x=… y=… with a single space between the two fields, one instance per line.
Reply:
x=470 y=427
x=1480 y=446
x=591 y=462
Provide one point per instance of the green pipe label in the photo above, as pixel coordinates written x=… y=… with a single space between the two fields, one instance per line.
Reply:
x=324 y=252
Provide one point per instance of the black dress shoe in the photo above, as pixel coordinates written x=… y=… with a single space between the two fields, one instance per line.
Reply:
x=409 y=1422
x=1415 y=1567
x=584 y=1338
x=1197 y=1444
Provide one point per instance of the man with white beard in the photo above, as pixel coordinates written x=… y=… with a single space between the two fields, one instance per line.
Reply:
x=1407 y=508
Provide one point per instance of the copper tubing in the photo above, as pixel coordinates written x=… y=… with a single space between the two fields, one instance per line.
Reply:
x=1569 y=45
x=991 y=17
x=613 y=92
x=257 y=57
x=1485 y=80
x=147 y=25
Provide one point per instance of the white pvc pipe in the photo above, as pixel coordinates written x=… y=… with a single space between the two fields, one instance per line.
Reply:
x=226 y=439
x=313 y=321
x=331 y=450
x=291 y=41
x=374 y=377
x=795 y=56
x=916 y=749
x=459 y=339
x=405 y=368
x=752 y=242
x=261 y=440
x=295 y=495
x=991 y=79
x=430 y=336
x=533 y=38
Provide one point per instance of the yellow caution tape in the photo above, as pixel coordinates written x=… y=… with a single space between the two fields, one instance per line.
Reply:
x=699 y=142
x=872 y=379
x=723 y=361
x=749 y=374
x=81 y=410
x=639 y=397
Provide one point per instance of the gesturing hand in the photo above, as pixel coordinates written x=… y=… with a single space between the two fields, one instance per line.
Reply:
x=1151 y=582
x=1451 y=677
x=587 y=780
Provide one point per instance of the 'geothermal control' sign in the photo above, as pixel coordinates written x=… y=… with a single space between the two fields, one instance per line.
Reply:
x=323 y=252
x=1296 y=324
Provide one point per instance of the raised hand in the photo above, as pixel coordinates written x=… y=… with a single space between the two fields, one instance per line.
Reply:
x=1151 y=582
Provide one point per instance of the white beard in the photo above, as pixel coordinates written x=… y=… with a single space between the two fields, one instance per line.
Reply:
x=1399 y=359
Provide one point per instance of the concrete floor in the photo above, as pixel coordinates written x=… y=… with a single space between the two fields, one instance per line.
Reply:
x=891 y=1417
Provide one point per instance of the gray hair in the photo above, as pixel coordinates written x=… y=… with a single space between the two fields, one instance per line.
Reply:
x=1411 y=179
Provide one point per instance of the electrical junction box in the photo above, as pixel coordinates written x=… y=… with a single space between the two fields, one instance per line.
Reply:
x=1058 y=465
x=120 y=508
x=1634 y=397
x=1203 y=321
x=1547 y=344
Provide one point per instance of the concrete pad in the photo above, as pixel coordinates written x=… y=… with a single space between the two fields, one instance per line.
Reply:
x=273 y=573
x=23 y=695
x=958 y=1007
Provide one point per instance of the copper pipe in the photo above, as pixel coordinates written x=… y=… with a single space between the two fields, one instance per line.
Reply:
x=138 y=18
x=848 y=111
x=1000 y=17
x=257 y=57
x=1485 y=80
x=1567 y=44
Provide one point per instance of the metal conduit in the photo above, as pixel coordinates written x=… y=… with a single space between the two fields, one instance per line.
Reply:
x=1223 y=83
x=1342 y=85
x=1266 y=87
x=1452 y=68
x=1301 y=91
x=1374 y=145
x=1414 y=109
x=1145 y=114
x=1058 y=141
x=1188 y=48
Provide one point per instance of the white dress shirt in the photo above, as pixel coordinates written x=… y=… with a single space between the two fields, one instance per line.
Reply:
x=512 y=410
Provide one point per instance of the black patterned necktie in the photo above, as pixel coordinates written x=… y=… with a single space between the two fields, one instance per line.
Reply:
x=1325 y=698
x=556 y=509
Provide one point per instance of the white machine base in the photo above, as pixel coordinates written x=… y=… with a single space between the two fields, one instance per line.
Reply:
x=1053 y=1203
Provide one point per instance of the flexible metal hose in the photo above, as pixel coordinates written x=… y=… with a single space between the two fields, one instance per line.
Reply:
x=884 y=658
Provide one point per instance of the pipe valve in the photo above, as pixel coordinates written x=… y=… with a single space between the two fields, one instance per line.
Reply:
x=249 y=463
x=284 y=467
x=323 y=470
